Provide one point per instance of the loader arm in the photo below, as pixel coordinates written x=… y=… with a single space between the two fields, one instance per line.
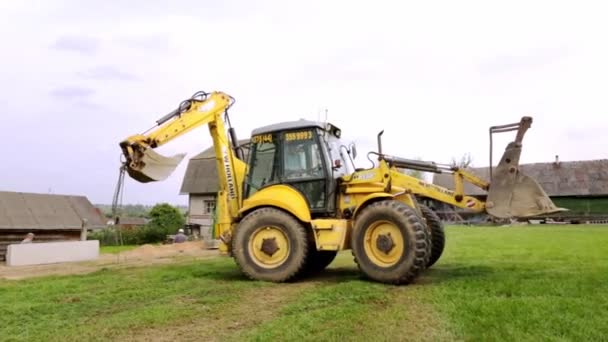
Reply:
x=510 y=193
x=454 y=197
x=145 y=165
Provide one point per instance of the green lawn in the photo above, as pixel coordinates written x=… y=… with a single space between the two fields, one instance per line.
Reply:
x=515 y=284
x=546 y=283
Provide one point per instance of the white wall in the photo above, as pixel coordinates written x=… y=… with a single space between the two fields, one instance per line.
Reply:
x=199 y=215
x=51 y=252
x=197 y=205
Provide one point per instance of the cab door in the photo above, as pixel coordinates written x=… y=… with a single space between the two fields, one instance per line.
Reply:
x=305 y=167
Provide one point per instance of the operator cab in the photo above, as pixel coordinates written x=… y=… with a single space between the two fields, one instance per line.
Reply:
x=306 y=155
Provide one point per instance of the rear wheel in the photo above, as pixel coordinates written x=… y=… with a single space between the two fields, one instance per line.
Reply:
x=270 y=245
x=389 y=242
x=437 y=234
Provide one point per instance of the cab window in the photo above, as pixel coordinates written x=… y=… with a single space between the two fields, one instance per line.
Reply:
x=263 y=159
x=302 y=158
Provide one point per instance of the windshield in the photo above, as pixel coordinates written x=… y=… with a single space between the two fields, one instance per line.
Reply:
x=302 y=159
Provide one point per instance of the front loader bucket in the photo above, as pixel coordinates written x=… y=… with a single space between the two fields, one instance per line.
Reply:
x=513 y=194
x=154 y=167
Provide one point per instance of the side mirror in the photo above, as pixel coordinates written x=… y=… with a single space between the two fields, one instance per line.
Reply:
x=353 y=150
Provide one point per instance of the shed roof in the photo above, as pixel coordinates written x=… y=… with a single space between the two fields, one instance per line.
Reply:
x=201 y=174
x=566 y=178
x=21 y=210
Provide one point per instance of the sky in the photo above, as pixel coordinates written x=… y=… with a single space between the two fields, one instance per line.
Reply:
x=78 y=79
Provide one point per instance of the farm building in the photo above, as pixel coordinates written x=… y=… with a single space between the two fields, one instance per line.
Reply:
x=49 y=217
x=128 y=222
x=580 y=186
x=200 y=183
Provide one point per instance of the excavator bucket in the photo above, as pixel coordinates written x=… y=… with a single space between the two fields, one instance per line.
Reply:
x=154 y=167
x=513 y=194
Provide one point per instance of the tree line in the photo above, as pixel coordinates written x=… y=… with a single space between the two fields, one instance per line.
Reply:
x=134 y=210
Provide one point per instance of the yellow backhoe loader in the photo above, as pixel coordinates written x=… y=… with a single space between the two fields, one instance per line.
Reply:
x=297 y=199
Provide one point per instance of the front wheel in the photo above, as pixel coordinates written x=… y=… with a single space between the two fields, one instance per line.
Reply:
x=270 y=245
x=389 y=242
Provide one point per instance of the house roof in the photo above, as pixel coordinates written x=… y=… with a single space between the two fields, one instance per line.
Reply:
x=201 y=173
x=19 y=210
x=566 y=178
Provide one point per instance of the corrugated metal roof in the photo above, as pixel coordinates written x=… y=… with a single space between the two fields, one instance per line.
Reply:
x=567 y=178
x=201 y=174
x=19 y=210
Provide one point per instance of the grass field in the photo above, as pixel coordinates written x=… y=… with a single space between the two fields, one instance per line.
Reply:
x=544 y=283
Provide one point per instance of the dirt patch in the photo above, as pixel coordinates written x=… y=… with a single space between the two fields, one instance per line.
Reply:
x=150 y=252
x=140 y=256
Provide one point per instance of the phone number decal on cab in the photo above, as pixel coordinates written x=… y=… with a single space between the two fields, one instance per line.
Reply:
x=305 y=135
x=261 y=138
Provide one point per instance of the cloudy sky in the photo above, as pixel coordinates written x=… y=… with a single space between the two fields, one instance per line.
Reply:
x=76 y=79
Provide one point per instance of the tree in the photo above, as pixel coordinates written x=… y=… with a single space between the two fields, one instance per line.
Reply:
x=414 y=173
x=464 y=162
x=167 y=217
x=131 y=210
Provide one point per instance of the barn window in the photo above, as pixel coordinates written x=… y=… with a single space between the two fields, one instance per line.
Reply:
x=209 y=207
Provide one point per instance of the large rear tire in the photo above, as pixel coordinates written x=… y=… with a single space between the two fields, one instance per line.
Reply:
x=389 y=242
x=270 y=245
x=437 y=234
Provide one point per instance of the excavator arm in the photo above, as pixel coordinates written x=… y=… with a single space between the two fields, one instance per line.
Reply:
x=145 y=165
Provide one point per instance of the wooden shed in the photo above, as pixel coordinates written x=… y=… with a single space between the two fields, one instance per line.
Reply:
x=130 y=222
x=50 y=217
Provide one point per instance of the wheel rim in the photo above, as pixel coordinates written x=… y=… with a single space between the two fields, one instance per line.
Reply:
x=269 y=247
x=383 y=243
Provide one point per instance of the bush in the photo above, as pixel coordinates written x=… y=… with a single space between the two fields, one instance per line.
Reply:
x=164 y=220
x=112 y=236
x=107 y=236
